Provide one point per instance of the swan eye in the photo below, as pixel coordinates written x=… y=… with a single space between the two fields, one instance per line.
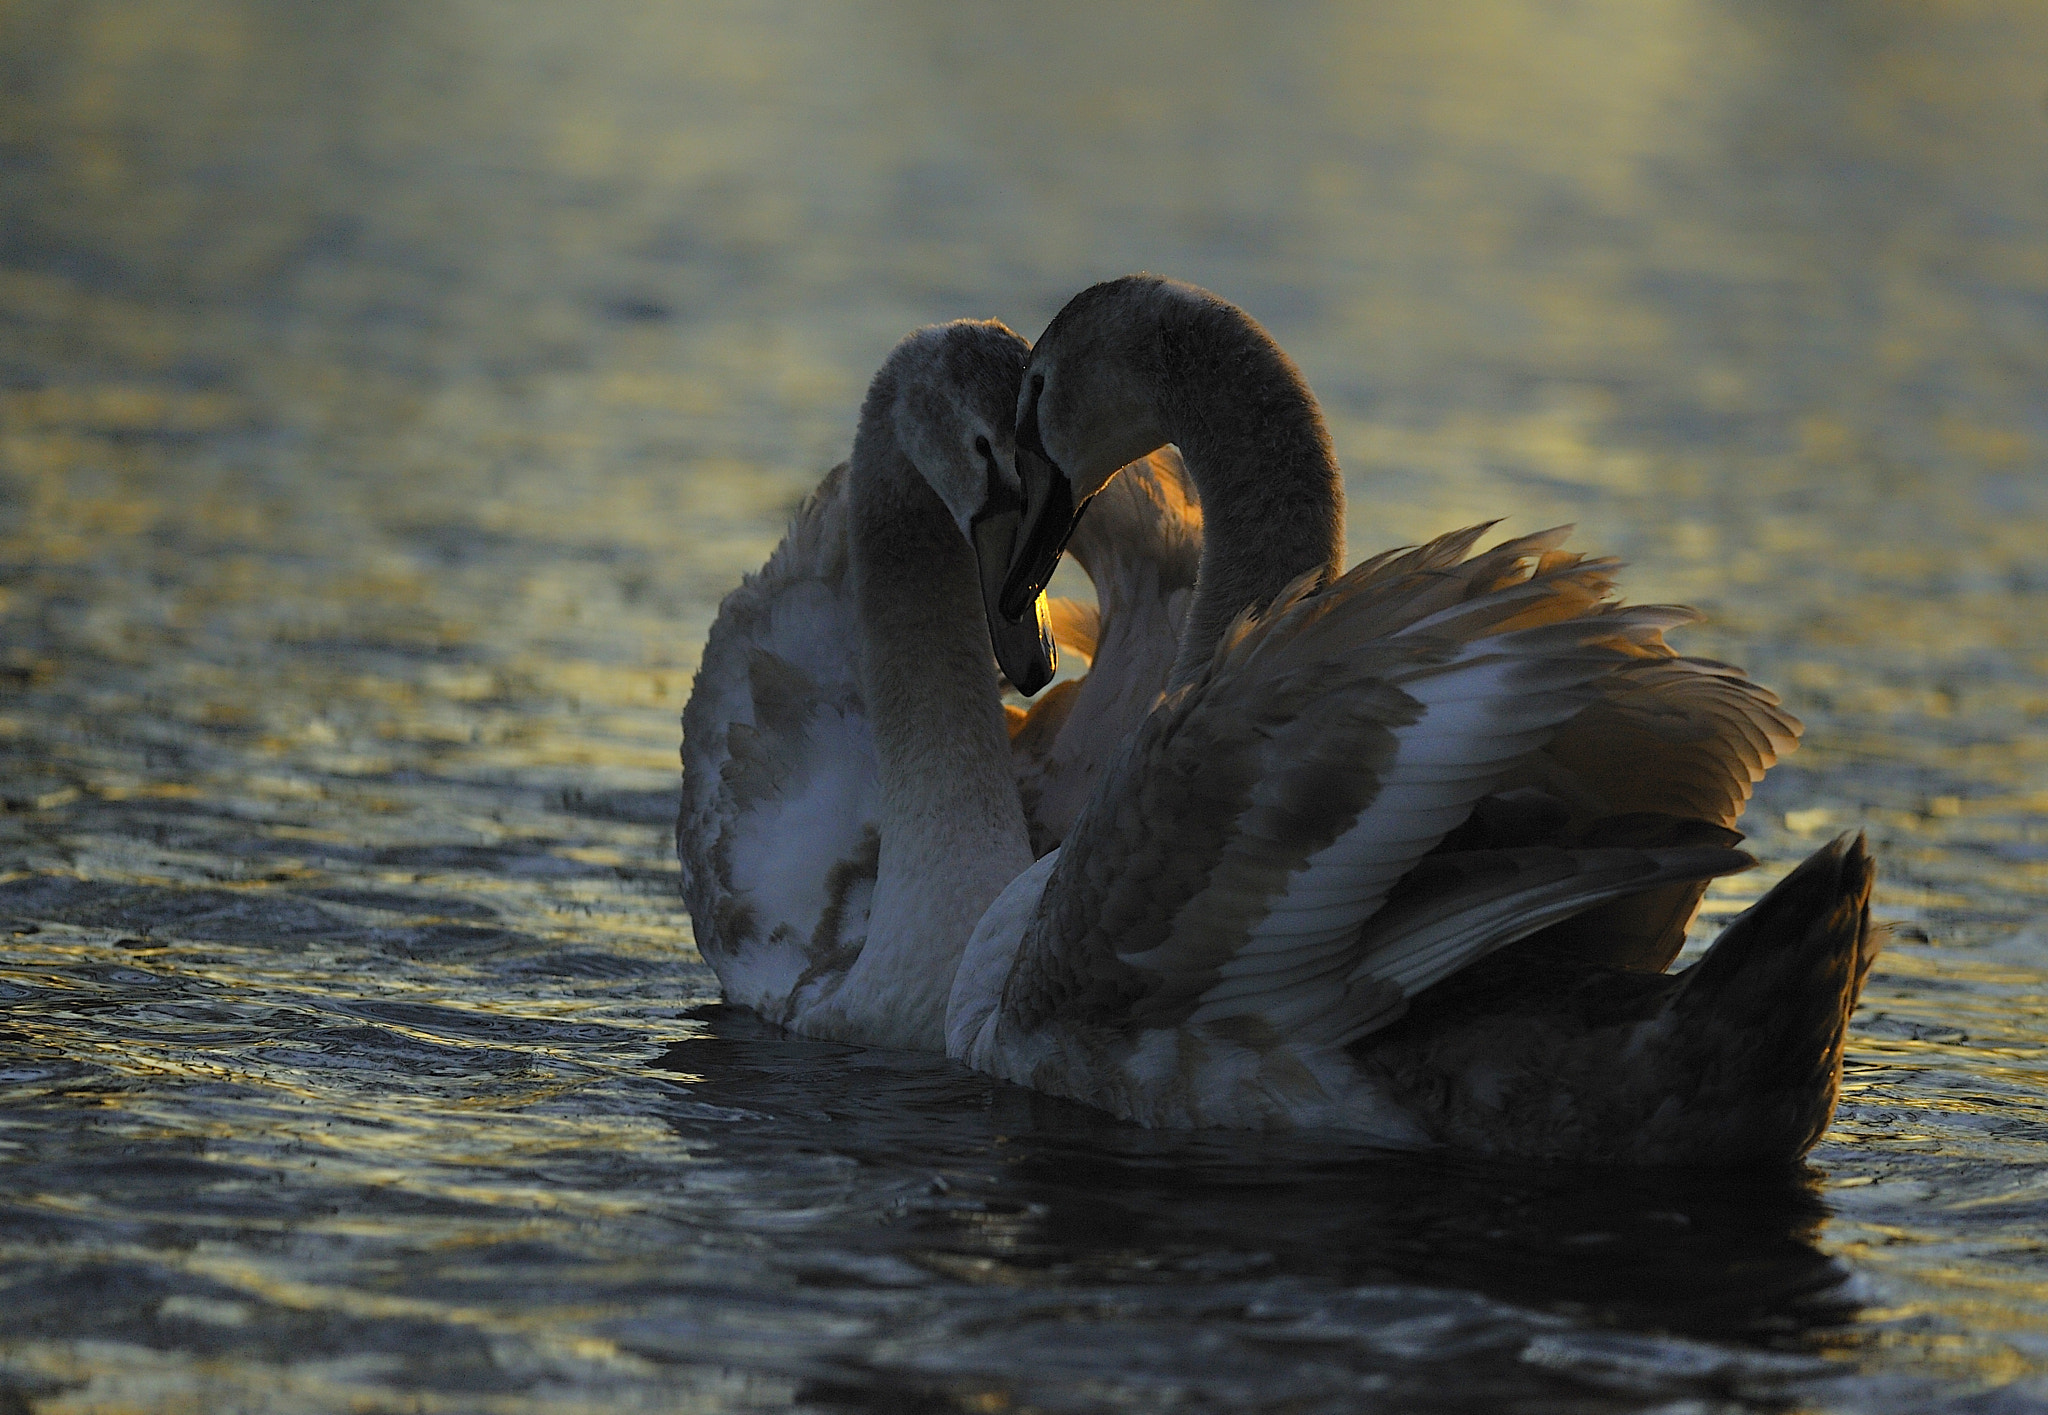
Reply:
x=981 y=446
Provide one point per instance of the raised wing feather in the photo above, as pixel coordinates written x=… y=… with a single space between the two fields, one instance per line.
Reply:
x=1682 y=738
x=1227 y=863
x=776 y=834
x=1685 y=736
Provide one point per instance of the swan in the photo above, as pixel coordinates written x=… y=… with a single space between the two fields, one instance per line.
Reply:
x=1403 y=851
x=780 y=828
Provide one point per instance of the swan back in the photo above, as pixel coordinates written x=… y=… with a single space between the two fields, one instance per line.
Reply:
x=1141 y=544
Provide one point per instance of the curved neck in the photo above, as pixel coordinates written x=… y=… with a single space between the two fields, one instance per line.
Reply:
x=1260 y=457
x=951 y=823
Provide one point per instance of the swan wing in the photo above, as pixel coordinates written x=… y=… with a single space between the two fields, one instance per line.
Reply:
x=1677 y=740
x=1225 y=867
x=1685 y=736
x=776 y=833
x=1684 y=740
x=1678 y=736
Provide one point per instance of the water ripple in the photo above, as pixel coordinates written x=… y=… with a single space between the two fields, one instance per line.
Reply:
x=389 y=394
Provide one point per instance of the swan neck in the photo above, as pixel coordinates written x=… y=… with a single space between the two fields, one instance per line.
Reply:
x=1259 y=454
x=950 y=821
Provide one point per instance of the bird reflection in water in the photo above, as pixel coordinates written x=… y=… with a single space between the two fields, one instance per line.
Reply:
x=1000 y=1187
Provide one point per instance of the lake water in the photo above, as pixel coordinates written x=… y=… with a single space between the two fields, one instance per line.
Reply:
x=388 y=392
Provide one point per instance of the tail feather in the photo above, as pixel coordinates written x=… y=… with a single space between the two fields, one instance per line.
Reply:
x=1763 y=1017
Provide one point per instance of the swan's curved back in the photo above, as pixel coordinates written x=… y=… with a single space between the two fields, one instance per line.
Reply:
x=1141 y=544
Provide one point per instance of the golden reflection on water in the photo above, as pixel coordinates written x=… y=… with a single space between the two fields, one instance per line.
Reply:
x=390 y=392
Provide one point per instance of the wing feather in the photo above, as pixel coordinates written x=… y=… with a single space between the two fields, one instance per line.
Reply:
x=1230 y=859
x=776 y=831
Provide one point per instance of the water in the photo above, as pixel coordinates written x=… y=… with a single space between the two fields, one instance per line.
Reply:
x=389 y=391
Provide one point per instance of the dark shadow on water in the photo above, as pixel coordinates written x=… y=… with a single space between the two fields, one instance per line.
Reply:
x=1006 y=1186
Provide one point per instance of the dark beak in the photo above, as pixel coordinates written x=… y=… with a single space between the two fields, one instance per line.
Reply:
x=1023 y=642
x=1050 y=516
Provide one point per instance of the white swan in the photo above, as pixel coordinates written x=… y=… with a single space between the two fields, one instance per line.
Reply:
x=779 y=831
x=1404 y=850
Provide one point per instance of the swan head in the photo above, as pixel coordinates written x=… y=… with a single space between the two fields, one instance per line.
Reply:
x=1089 y=404
x=955 y=390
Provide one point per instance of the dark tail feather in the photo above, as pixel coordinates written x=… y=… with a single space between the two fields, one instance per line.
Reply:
x=1764 y=1015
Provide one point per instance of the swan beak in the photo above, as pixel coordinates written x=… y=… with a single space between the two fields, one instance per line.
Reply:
x=1023 y=645
x=1049 y=519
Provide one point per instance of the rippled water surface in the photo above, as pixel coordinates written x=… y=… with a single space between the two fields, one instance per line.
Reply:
x=388 y=391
